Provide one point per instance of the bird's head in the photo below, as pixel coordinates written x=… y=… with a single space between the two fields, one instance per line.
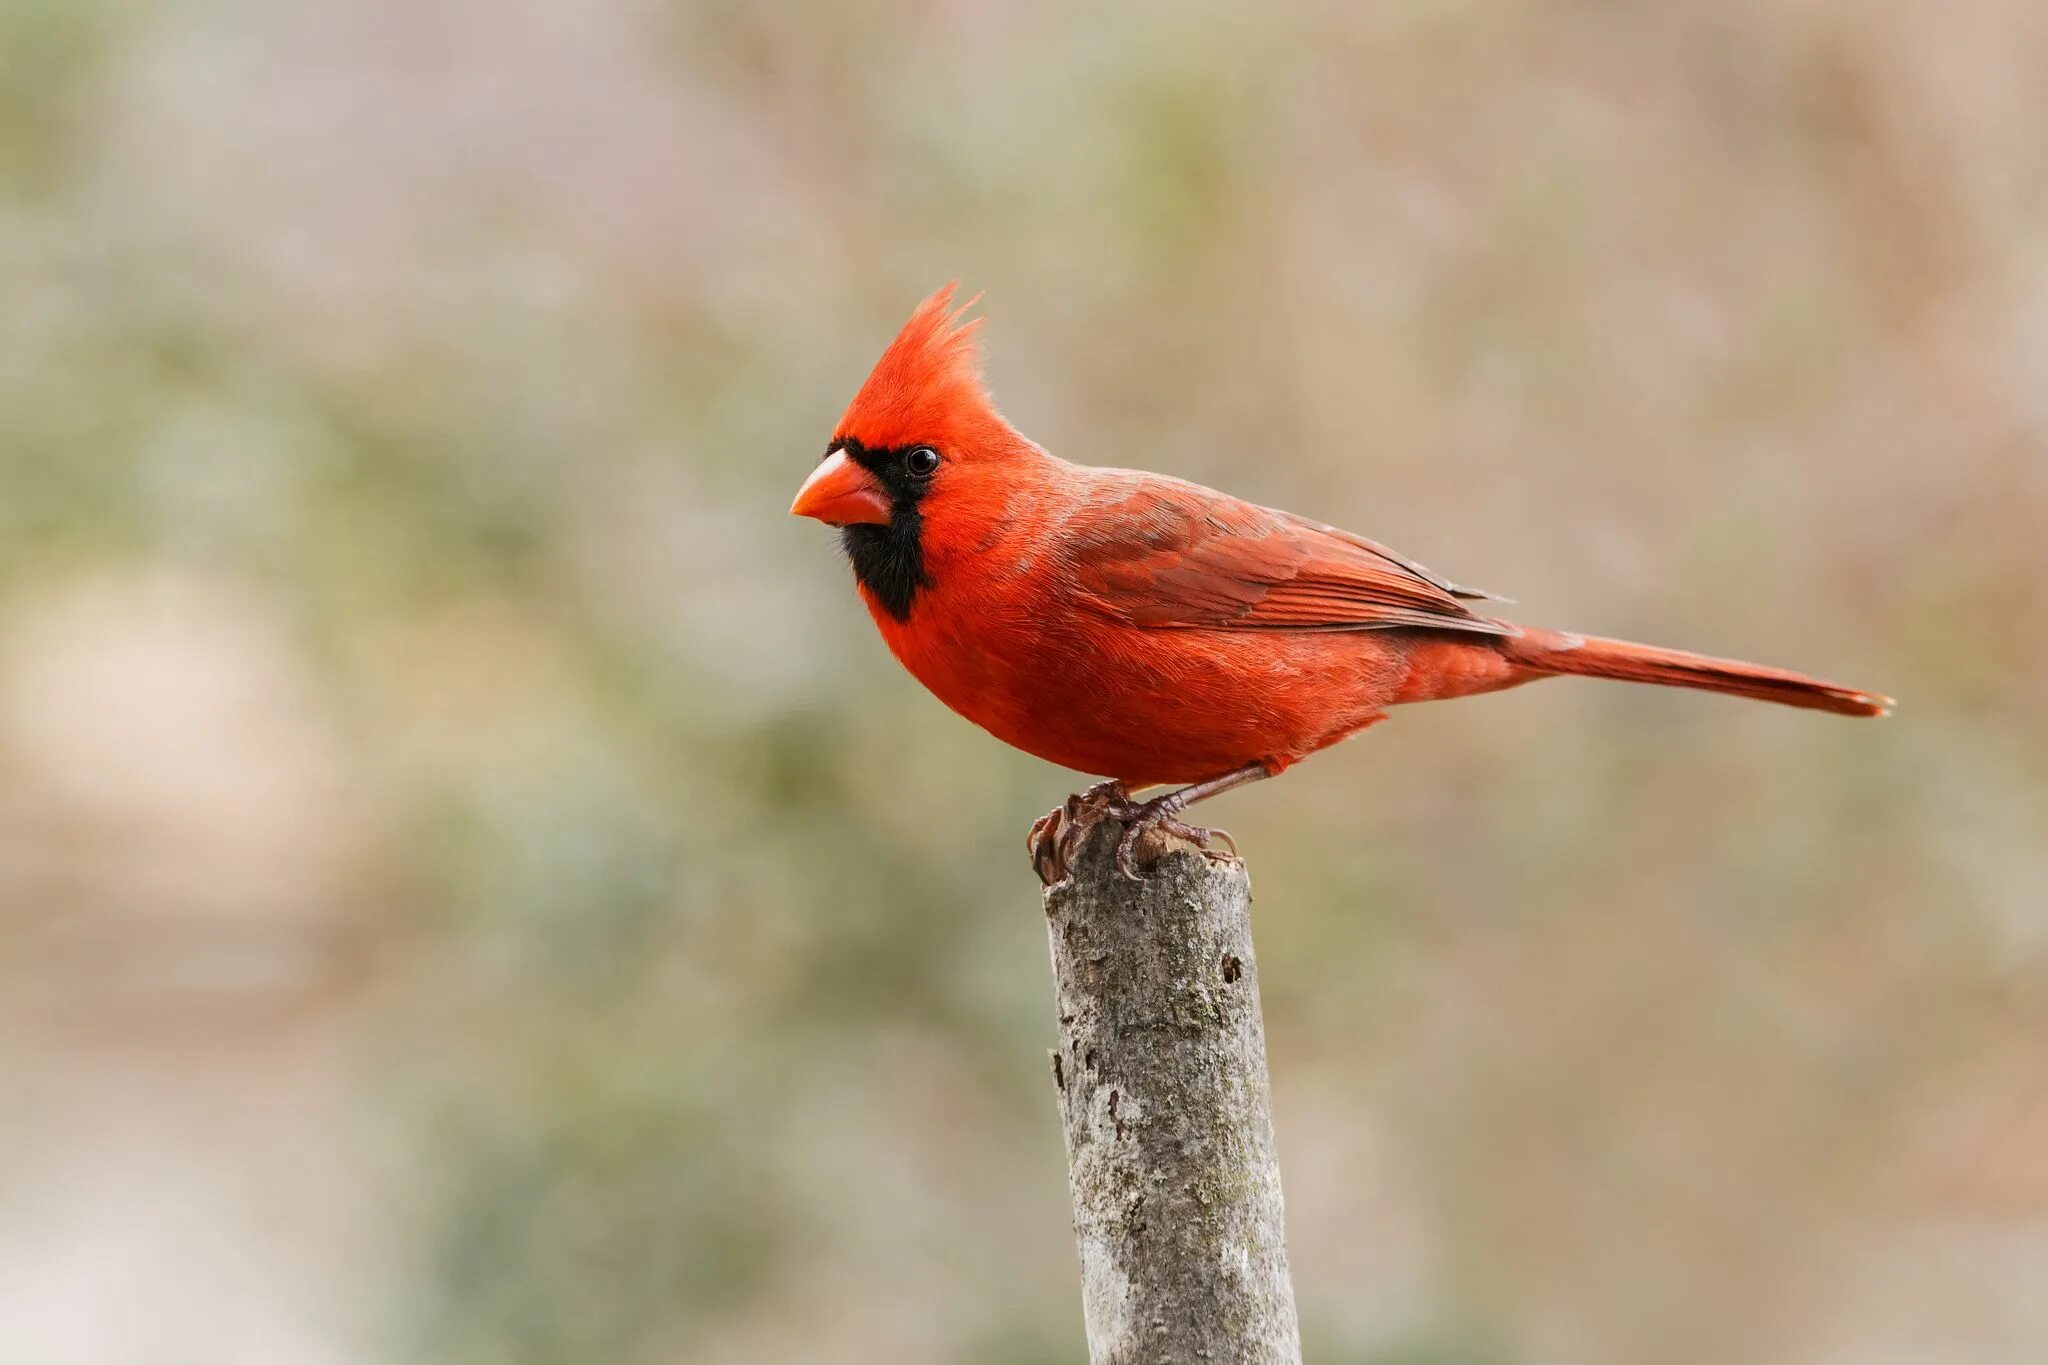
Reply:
x=921 y=459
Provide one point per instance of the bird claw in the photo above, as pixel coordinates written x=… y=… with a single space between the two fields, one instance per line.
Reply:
x=1158 y=814
x=1050 y=844
x=1219 y=855
x=1057 y=835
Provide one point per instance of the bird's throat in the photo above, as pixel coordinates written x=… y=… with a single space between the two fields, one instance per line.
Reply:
x=888 y=560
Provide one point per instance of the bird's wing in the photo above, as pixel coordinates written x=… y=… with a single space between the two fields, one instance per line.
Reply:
x=1154 y=551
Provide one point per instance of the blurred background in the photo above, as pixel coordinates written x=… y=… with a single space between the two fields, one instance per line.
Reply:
x=474 y=888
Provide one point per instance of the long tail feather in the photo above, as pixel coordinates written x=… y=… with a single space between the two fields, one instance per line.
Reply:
x=1553 y=651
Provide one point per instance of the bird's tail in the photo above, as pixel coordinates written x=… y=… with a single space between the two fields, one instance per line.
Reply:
x=1555 y=651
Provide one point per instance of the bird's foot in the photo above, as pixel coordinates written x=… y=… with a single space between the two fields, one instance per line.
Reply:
x=1059 y=833
x=1159 y=813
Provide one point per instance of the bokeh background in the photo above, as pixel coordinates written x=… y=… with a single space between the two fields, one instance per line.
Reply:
x=473 y=887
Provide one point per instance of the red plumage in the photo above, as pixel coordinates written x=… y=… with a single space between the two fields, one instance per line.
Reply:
x=1150 y=629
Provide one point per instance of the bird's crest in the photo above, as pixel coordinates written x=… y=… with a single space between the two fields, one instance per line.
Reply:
x=927 y=387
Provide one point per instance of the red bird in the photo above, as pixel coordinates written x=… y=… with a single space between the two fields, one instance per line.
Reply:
x=1152 y=630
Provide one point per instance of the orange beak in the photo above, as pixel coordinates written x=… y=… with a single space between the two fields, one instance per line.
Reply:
x=841 y=493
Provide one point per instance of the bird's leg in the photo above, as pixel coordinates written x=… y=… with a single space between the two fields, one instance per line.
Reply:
x=1159 y=813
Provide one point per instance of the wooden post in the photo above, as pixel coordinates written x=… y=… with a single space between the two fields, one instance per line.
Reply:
x=1161 y=1073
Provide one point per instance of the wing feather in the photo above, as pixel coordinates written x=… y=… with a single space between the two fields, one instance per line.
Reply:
x=1162 y=553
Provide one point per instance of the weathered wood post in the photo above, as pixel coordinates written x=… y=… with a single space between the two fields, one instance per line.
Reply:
x=1161 y=1074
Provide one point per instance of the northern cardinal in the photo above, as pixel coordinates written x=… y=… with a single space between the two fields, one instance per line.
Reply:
x=1151 y=630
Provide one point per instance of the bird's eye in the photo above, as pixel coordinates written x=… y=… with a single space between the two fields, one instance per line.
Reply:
x=922 y=461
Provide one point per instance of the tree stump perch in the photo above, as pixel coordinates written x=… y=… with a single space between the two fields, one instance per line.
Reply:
x=1163 y=1094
